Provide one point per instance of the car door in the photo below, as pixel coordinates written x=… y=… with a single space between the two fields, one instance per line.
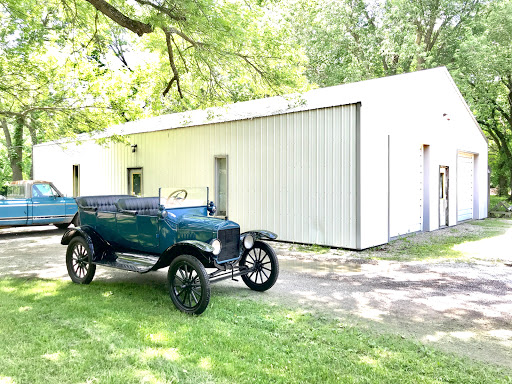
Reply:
x=14 y=209
x=127 y=236
x=138 y=232
x=148 y=233
x=47 y=205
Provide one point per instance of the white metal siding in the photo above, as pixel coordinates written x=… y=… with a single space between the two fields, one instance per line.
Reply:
x=465 y=171
x=294 y=174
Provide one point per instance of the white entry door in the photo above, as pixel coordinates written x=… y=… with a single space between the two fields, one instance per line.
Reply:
x=406 y=190
x=465 y=176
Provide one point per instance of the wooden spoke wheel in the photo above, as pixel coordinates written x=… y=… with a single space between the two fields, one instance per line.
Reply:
x=189 y=284
x=262 y=260
x=79 y=261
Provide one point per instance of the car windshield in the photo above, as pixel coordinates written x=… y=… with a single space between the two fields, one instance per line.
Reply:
x=183 y=197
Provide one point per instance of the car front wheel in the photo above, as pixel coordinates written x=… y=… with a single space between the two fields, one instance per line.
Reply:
x=189 y=285
x=79 y=261
x=262 y=261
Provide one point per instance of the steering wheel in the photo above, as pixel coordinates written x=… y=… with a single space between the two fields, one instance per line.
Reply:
x=178 y=196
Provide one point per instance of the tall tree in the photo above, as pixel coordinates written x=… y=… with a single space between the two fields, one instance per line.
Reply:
x=58 y=72
x=484 y=72
x=19 y=38
x=44 y=93
x=351 y=40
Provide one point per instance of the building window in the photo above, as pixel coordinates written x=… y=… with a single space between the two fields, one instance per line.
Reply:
x=135 y=181
x=221 y=185
x=76 y=180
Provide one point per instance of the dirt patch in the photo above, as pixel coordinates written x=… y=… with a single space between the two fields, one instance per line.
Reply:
x=462 y=306
x=458 y=307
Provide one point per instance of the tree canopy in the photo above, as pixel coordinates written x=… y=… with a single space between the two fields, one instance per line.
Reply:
x=351 y=40
x=209 y=51
x=484 y=73
x=73 y=66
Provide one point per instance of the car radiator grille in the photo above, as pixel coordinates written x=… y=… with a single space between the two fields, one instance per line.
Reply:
x=230 y=239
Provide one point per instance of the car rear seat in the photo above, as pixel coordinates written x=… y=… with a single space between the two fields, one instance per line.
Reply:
x=147 y=206
x=106 y=203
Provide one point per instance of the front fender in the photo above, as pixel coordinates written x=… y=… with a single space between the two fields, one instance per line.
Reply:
x=100 y=249
x=203 y=252
x=259 y=234
x=202 y=246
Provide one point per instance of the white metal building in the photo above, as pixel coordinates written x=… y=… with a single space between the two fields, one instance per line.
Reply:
x=350 y=166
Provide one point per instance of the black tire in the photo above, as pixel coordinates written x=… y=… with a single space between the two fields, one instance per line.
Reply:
x=263 y=259
x=79 y=261
x=62 y=226
x=189 y=285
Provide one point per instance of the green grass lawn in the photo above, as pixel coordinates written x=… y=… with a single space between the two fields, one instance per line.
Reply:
x=440 y=244
x=59 y=332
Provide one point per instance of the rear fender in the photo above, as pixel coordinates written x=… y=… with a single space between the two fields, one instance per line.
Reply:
x=202 y=251
x=100 y=249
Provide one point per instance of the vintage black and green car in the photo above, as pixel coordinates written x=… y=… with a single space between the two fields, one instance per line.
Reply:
x=175 y=230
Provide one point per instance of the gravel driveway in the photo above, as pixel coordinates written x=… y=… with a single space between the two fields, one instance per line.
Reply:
x=465 y=308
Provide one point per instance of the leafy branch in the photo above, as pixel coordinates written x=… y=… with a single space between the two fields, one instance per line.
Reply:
x=171 y=16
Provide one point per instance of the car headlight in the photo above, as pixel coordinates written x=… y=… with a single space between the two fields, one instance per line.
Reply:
x=217 y=246
x=248 y=241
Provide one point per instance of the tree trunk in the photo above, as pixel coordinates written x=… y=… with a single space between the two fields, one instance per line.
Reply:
x=33 y=137
x=14 y=149
x=17 y=149
x=509 y=187
x=502 y=185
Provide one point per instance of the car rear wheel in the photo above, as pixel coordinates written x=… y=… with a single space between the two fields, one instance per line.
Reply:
x=262 y=259
x=79 y=261
x=189 y=285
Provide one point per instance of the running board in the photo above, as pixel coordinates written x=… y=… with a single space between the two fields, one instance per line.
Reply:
x=131 y=262
x=229 y=274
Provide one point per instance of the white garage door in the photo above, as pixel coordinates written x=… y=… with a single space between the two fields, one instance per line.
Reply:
x=465 y=169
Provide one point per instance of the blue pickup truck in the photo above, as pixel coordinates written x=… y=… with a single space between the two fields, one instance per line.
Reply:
x=34 y=202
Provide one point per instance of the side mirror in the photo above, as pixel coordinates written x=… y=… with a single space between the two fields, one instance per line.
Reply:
x=211 y=208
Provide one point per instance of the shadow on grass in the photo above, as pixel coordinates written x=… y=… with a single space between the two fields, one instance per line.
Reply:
x=59 y=332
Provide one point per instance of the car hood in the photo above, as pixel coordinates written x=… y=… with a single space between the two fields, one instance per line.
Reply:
x=202 y=228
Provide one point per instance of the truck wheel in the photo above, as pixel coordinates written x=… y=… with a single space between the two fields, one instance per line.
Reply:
x=262 y=259
x=79 y=261
x=189 y=285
